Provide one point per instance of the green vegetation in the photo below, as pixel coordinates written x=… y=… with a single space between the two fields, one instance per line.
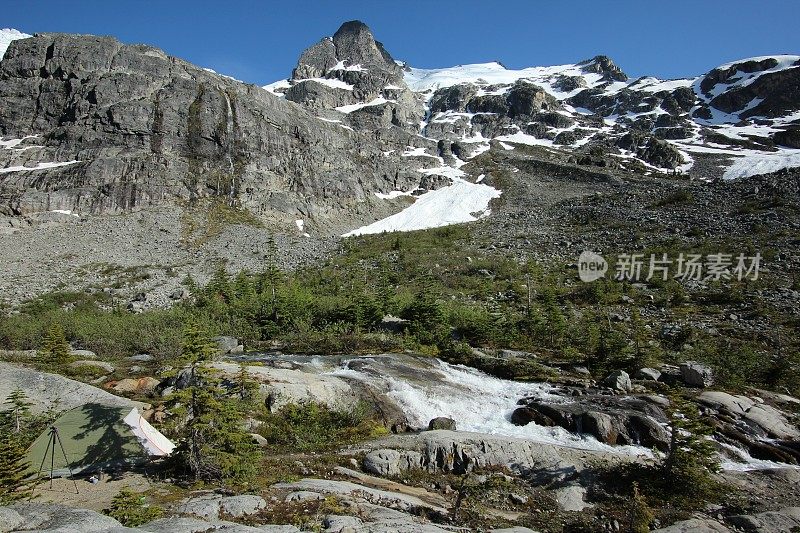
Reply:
x=213 y=445
x=677 y=484
x=456 y=293
x=17 y=427
x=207 y=218
x=13 y=467
x=131 y=509
x=678 y=197
x=310 y=427
x=55 y=349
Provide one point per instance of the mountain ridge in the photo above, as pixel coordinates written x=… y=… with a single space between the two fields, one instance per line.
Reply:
x=374 y=130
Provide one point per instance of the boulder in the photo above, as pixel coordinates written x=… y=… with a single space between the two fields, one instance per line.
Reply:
x=242 y=505
x=226 y=344
x=648 y=374
x=696 y=374
x=601 y=425
x=10 y=519
x=281 y=386
x=610 y=419
x=341 y=524
x=57 y=517
x=83 y=354
x=442 y=422
x=571 y=498
x=145 y=385
x=695 y=525
x=205 y=507
x=406 y=503
x=179 y=294
x=135 y=307
x=459 y=452
x=771 y=421
x=619 y=380
x=787 y=519
x=258 y=439
x=302 y=496
x=387 y=462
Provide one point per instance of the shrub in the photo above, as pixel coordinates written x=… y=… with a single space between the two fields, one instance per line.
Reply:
x=131 y=509
x=310 y=426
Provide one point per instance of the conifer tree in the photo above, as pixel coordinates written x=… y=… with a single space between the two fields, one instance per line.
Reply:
x=691 y=458
x=13 y=469
x=18 y=409
x=55 y=349
x=639 y=513
x=213 y=444
x=131 y=509
x=246 y=386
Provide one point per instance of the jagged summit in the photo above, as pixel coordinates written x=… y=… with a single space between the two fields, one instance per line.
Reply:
x=352 y=47
x=604 y=66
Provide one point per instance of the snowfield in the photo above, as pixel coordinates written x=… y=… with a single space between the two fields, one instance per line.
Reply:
x=421 y=80
x=754 y=163
x=457 y=203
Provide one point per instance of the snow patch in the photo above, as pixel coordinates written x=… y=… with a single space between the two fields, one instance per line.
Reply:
x=350 y=68
x=301 y=227
x=333 y=83
x=39 y=166
x=6 y=36
x=755 y=163
x=355 y=107
x=13 y=143
x=459 y=202
x=277 y=87
x=65 y=212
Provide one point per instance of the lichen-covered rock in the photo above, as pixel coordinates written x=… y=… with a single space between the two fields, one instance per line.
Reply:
x=442 y=422
x=618 y=380
x=46 y=390
x=696 y=374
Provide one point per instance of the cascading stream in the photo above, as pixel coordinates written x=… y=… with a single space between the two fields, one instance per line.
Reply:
x=426 y=388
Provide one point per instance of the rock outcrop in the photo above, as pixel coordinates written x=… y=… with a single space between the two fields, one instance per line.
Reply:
x=46 y=391
x=631 y=420
x=127 y=126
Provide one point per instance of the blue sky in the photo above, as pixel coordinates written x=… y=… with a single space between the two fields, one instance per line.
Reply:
x=260 y=42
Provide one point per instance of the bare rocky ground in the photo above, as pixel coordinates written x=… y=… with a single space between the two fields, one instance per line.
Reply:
x=147 y=252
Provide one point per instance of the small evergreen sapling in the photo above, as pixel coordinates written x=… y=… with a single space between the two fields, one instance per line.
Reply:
x=55 y=349
x=13 y=469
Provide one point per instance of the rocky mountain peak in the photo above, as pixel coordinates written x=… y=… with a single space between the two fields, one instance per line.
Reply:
x=353 y=47
x=605 y=66
x=354 y=42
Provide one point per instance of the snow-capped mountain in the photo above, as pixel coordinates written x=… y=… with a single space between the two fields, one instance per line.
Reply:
x=355 y=141
x=747 y=112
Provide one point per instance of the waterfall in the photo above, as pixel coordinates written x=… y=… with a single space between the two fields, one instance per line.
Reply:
x=476 y=401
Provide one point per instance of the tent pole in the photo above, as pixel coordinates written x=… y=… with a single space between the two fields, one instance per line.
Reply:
x=41 y=465
x=53 y=454
x=66 y=461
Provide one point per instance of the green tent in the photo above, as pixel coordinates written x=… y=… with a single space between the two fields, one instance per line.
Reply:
x=96 y=437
